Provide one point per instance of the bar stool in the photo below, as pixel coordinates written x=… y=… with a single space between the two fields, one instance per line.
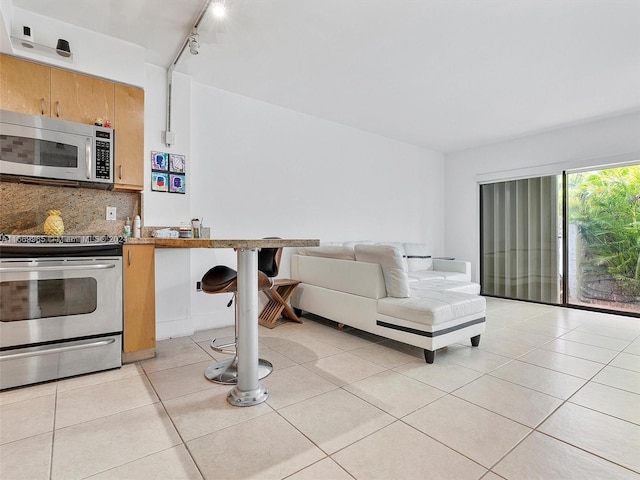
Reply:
x=223 y=279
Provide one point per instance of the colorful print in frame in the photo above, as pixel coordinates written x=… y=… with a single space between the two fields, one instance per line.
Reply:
x=177 y=184
x=159 y=161
x=177 y=163
x=159 y=181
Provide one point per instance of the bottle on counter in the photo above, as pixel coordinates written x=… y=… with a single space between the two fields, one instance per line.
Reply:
x=195 y=226
x=137 y=227
x=126 y=232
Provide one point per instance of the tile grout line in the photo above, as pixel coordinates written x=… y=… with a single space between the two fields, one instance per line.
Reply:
x=164 y=408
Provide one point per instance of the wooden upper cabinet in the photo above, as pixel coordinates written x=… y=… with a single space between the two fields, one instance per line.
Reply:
x=129 y=137
x=33 y=88
x=81 y=98
x=24 y=86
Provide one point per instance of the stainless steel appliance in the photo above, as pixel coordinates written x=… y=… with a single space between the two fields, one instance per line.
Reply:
x=60 y=307
x=35 y=149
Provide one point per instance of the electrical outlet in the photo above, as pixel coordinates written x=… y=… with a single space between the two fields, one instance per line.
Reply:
x=198 y=286
x=111 y=213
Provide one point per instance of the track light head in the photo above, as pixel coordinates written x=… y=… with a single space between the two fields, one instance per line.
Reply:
x=194 y=46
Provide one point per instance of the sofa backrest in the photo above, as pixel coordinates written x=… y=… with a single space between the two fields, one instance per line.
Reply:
x=343 y=252
x=357 y=278
x=418 y=257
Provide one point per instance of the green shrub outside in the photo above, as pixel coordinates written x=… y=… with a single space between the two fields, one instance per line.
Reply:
x=605 y=207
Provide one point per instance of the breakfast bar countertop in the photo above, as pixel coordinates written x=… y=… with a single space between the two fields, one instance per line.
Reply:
x=223 y=243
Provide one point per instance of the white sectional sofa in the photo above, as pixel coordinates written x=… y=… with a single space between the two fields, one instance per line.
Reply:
x=393 y=290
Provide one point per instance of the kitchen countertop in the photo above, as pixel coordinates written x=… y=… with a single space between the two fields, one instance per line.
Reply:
x=223 y=243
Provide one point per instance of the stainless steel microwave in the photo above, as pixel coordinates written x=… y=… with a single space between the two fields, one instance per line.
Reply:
x=49 y=151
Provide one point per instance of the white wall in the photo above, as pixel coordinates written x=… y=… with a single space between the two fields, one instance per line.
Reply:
x=93 y=53
x=261 y=170
x=162 y=208
x=255 y=170
x=594 y=144
x=173 y=266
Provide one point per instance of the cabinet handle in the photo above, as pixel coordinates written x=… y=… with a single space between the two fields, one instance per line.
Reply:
x=120 y=172
x=42 y=106
x=57 y=109
x=129 y=257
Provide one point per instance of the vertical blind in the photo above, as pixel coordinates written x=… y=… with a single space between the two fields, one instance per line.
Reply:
x=519 y=239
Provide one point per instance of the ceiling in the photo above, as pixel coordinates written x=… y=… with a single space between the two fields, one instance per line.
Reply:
x=442 y=74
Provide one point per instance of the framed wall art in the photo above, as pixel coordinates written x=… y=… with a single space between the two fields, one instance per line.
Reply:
x=168 y=172
x=177 y=183
x=177 y=163
x=159 y=181
x=160 y=161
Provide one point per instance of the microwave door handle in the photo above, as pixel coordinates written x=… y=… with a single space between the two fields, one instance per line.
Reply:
x=87 y=157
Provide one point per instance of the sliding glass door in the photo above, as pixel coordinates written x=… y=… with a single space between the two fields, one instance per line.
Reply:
x=603 y=244
x=520 y=239
x=571 y=239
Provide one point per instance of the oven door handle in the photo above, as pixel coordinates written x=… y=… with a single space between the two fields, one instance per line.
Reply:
x=59 y=268
x=49 y=351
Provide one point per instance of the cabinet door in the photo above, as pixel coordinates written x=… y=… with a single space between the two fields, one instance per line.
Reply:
x=129 y=129
x=139 y=298
x=24 y=86
x=80 y=98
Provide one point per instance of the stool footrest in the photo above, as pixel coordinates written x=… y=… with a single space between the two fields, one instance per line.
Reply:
x=224 y=348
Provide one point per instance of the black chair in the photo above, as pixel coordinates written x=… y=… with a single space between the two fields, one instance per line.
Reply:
x=223 y=279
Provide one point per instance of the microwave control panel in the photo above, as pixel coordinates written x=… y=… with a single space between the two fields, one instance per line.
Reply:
x=104 y=153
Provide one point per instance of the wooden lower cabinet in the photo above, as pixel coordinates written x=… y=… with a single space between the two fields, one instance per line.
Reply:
x=139 y=301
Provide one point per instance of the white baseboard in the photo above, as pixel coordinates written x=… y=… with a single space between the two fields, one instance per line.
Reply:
x=174 y=328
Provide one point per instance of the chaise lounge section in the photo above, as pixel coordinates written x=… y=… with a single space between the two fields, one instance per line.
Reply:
x=393 y=290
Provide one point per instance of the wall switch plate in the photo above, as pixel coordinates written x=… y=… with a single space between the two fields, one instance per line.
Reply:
x=111 y=213
x=168 y=138
x=198 y=286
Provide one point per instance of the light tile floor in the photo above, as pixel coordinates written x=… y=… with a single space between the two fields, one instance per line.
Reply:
x=550 y=393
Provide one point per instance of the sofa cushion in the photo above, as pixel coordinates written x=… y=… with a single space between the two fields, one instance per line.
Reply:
x=421 y=289
x=418 y=257
x=390 y=259
x=426 y=275
x=433 y=307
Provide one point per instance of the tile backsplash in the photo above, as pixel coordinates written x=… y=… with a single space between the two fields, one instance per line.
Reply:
x=23 y=209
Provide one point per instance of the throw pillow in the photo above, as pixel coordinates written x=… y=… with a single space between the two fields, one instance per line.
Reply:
x=390 y=259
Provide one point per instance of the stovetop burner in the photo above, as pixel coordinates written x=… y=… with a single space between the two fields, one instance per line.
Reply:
x=61 y=239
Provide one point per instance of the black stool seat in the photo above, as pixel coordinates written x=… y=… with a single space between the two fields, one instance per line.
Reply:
x=221 y=278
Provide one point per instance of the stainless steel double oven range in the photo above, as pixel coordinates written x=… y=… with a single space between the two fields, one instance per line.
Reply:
x=60 y=307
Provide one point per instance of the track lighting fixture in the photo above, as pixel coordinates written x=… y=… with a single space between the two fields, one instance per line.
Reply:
x=194 y=46
x=216 y=8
